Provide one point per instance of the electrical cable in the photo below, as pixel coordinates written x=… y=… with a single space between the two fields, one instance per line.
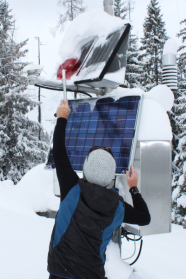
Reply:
x=133 y=252
x=128 y=238
x=68 y=89
x=125 y=233
x=141 y=243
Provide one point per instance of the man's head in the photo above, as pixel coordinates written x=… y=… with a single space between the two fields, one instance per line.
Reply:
x=99 y=166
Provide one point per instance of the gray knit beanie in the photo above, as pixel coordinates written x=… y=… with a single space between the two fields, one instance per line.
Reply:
x=99 y=167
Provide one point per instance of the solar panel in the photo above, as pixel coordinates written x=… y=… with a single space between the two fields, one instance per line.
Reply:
x=102 y=63
x=100 y=53
x=101 y=122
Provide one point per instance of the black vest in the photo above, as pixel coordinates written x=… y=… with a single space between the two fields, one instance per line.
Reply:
x=83 y=227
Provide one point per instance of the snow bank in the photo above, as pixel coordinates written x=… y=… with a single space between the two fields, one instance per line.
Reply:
x=24 y=244
x=28 y=234
x=154 y=122
x=115 y=267
x=163 y=255
x=25 y=237
x=163 y=95
x=32 y=194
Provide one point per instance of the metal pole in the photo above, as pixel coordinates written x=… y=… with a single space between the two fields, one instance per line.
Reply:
x=109 y=7
x=64 y=85
x=39 y=90
x=129 y=9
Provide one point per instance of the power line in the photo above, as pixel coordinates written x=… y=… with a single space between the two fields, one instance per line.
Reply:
x=39 y=90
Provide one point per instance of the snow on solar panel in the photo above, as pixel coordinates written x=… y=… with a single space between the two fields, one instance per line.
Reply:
x=101 y=122
x=100 y=53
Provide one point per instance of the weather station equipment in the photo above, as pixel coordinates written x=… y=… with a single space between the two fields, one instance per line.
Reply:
x=130 y=122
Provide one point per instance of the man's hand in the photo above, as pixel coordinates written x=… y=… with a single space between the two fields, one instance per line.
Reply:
x=132 y=179
x=63 y=110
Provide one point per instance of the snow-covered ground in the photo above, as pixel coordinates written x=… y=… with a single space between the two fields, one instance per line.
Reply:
x=25 y=236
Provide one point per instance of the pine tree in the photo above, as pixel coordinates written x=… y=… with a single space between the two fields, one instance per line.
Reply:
x=134 y=66
x=182 y=48
x=152 y=45
x=123 y=9
x=179 y=163
x=73 y=9
x=120 y=9
x=20 y=148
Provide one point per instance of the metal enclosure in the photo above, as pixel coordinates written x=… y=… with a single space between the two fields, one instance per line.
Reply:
x=153 y=163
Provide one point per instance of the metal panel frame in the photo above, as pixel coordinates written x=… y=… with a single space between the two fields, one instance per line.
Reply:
x=136 y=130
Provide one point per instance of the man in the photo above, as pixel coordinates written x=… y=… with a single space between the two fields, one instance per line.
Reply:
x=90 y=210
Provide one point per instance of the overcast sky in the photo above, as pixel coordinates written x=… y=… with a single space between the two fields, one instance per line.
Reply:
x=35 y=18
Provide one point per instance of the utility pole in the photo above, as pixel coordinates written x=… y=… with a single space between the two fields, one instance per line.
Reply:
x=130 y=8
x=39 y=92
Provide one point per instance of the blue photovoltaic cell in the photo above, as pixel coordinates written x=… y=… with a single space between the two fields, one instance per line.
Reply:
x=101 y=122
